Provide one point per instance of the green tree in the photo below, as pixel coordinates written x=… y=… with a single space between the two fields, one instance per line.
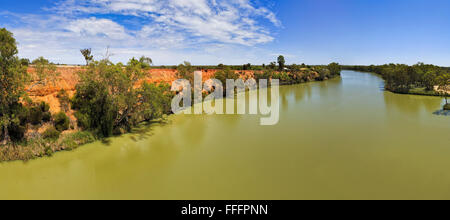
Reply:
x=94 y=105
x=324 y=73
x=62 y=122
x=109 y=97
x=444 y=86
x=87 y=54
x=429 y=79
x=272 y=65
x=25 y=62
x=186 y=71
x=281 y=63
x=266 y=74
x=13 y=78
x=335 y=68
x=224 y=74
x=146 y=62
x=154 y=102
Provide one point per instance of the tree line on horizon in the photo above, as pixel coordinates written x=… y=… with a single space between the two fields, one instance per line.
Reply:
x=417 y=79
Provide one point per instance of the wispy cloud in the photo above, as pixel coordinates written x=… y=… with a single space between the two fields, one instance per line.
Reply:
x=234 y=21
x=163 y=25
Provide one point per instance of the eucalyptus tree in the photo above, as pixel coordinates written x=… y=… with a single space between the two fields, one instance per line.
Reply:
x=186 y=71
x=281 y=63
x=110 y=99
x=444 y=86
x=146 y=62
x=13 y=78
x=335 y=68
x=87 y=54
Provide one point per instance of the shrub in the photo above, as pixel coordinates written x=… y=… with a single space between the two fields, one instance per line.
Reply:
x=324 y=73
x=266 y=74
x=35 y=115
x=46 y=116
x=25 y=62
x=335 y=68
x=48 y=151
x=16 y=130
x=64 y=100
x=82 y=120
x=38 y=113
x=51 y=133
x=72 y=141
x=61 y=121
x=44 y=107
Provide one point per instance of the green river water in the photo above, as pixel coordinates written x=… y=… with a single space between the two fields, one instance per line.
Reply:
x=345 y=138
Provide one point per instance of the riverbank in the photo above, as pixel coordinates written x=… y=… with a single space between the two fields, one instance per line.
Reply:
x=36 y=145
x=416 y=91
x=40 y=147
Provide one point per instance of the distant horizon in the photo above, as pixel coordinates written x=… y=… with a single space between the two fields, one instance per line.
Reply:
x=259 y=65
x=208 y=32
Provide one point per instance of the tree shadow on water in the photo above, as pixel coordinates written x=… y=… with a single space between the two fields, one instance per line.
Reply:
x=144 y=130
x=442 y=113
x=106 y=141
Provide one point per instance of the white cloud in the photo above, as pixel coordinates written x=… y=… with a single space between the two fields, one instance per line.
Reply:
x=234 y=21
x=176 y=30
x=97 y=27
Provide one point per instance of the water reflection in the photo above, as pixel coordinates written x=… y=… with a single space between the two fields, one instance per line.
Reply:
x=293 y=94
x=442 y=113
x=411 y=104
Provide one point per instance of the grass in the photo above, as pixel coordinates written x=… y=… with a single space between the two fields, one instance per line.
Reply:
x=422 y=91
x=40 y=147
x=416 y=91
x=447 y=107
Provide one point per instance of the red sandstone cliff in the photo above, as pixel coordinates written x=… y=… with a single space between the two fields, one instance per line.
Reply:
x=68 y=79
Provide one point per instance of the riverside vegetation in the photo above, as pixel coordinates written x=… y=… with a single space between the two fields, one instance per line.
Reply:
x=110 y=99
x=419 y=79
x=106 y=102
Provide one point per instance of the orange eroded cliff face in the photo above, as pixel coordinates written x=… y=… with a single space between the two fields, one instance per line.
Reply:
x=68 y=79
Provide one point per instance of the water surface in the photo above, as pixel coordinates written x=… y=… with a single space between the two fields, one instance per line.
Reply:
x=345 y=138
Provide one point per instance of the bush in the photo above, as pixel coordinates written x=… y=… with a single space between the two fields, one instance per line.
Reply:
x=51 y=133
x=35 y=115
x=46 y=116
x=44 y=107
x=335 y=68
x=16 y=131
x=39 y=113
x=64 y=100
x=62 y=122
x=82 y=120
x=72 y=141
x=447 y=107
x=266 y=74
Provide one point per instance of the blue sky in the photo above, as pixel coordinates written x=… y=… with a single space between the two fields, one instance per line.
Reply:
x=233 y=31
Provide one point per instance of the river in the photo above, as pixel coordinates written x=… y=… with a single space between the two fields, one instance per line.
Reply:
x=345 y=138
